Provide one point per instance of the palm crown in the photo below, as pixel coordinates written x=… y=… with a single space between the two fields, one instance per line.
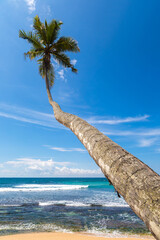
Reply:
x=45 y=44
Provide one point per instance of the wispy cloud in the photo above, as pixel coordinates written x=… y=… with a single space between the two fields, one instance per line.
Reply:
x=61 y=74
x=115 y=121
x=29 y=116
x=60 y=149
x=136 y=132
x=47 y=120
x=143 y=137
x=147 y=142
x=73 y=61
x=31 y=4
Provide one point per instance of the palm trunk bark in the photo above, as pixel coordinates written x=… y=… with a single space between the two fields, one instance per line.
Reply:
x=135 y=181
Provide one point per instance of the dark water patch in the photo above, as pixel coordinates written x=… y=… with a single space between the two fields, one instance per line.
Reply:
x=60 y=204
x=33 y=204
x=95 y=205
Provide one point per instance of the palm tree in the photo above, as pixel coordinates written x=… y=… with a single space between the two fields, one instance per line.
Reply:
x=135 y=181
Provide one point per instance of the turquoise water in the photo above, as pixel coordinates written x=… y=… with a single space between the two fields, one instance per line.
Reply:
x=64 y=204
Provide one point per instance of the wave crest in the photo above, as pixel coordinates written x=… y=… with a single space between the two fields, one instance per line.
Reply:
x=39 y=187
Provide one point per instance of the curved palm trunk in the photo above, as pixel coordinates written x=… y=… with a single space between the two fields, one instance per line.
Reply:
x=135 y=181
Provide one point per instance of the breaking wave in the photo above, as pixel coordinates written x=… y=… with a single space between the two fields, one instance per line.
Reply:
x=65 y=203
x=80 y=204
x=41 y=187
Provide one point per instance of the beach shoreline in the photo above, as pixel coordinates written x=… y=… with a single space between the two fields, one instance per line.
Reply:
x=67 y=236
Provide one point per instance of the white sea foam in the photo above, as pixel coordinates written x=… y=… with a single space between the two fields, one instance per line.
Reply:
x=106 y=233
x=81 y=204
x=32 y=226
x=66 y=203
x=10 y=205
x=112 y=204
x=38 y=188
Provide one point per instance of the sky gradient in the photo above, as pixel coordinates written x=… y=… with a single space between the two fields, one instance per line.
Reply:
x=116 y=88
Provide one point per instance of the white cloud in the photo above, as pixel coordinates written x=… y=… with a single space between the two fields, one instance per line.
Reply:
x=147 y=142
x=31 y=4
x=60 y=149
x=36 y=164
x=77 y=171
x=118 y=121
x=73 y=61
x=61 y=74
x=26 y=167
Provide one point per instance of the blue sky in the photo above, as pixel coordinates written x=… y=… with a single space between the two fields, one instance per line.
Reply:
x=116 y=88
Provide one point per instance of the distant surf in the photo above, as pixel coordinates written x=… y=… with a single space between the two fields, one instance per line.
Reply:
x=40 y=188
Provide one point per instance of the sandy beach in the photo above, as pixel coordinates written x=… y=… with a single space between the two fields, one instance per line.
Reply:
x=62 y=236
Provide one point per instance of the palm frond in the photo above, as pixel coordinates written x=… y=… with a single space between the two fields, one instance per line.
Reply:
x=47 y=70
x=31 y=38
x=74 y=69
x=51 y=75
x=64 y=60
x=66 y=44
x=33 y=53
x=46 y=25
x=42 y=70
x=53 y=30
x=40 y=29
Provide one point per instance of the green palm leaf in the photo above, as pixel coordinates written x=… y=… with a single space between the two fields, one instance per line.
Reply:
x=51 y=75
x=53 y=30
x=64 y=60
x=33 y=53
x=66 y=44
x=31 y=38
x=49 y=71
x=40 y=30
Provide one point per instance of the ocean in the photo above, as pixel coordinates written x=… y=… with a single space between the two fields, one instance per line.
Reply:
x=87 y=205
